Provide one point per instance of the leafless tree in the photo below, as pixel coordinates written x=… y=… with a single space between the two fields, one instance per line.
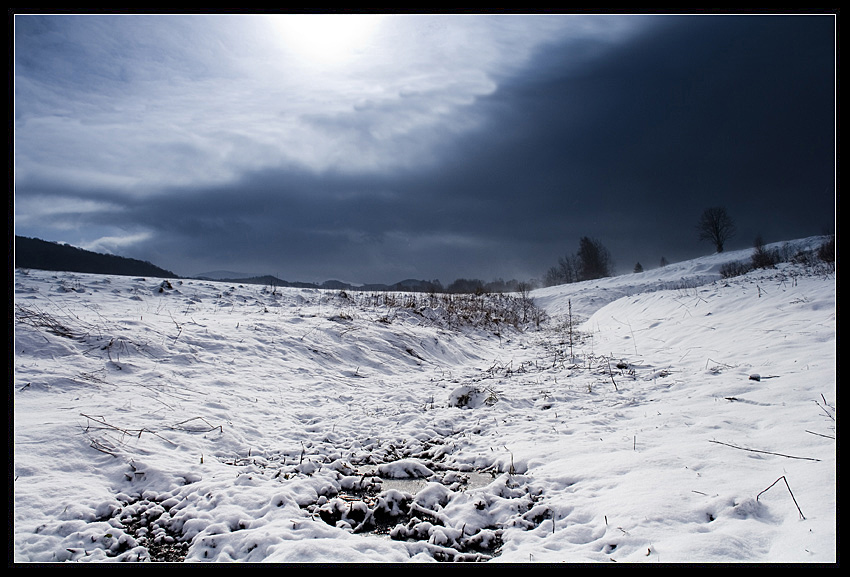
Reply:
x=592 y=261
x=565 y=272
x=716 y=226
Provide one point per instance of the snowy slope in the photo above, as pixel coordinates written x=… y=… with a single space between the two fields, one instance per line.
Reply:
x=159 y=419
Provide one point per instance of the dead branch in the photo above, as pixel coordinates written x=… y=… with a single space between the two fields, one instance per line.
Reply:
x=98 y=446
x=825 y=408
x=38 y=319
x=610 y=372
x=128 y=432
x=765 y=452
x=782 y=478
x=212 y=427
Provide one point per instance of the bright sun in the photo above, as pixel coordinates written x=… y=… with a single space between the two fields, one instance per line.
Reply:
x=325 y=38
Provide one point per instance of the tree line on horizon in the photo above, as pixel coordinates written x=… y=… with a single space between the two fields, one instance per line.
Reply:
x=45 y=255
x=35 y=253
x=715 y=225
x=591 y=261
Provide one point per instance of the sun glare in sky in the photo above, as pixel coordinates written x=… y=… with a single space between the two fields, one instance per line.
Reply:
x=325 y=39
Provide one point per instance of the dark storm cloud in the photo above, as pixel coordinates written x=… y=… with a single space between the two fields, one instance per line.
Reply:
x=625 y=139
x=697 y=112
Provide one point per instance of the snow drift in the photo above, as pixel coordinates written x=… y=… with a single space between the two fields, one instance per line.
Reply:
x=666 y=416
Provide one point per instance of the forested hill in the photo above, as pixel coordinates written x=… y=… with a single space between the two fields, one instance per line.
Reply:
x=44 y=255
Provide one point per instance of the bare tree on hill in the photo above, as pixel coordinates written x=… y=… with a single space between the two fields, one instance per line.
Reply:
x=716 y=226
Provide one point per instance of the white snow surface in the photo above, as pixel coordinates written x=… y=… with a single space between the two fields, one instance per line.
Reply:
x=667 y=416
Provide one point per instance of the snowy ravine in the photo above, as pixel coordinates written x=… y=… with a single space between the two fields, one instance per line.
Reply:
x=667 y=416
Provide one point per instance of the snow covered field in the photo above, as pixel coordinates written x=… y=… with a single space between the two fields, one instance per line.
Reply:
x=679 y=417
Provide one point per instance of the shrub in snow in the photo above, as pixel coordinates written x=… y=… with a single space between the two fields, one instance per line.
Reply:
x=763 y=257
x=468 y=396
x=826 y=251
x=733 y=269
x=393 y=503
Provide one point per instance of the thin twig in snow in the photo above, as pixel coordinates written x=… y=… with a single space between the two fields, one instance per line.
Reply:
x=765 y=452
x=782 y=478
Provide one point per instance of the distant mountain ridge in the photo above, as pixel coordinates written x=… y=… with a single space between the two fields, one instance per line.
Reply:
x=408 y=285
x=44 y=255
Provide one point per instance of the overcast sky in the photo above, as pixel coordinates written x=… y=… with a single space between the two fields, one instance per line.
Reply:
x=379 y=148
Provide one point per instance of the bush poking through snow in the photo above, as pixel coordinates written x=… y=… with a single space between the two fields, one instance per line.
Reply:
x=733 y=269
x=468 y=397
x=826 y=251
x=488 y=311
x=41 y=320
x=762 y=256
